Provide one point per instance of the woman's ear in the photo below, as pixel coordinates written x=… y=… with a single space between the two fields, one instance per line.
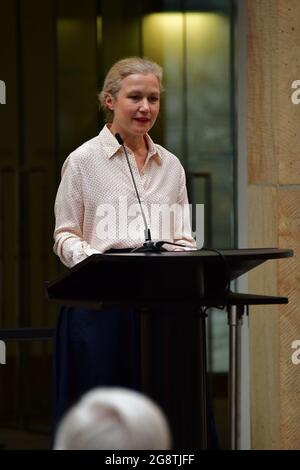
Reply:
x=109 y=101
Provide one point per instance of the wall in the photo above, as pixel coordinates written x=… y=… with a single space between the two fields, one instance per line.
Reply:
x=273 y=35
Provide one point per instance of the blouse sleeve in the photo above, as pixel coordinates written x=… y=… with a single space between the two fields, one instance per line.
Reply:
x=69 y=216
x=183 y=231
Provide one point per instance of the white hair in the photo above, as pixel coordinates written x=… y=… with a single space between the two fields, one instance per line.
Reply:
x=113 y=418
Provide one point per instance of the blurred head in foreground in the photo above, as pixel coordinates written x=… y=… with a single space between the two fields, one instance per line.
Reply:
x=113 y=418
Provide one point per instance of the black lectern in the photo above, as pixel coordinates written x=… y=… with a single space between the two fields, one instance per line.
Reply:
x=174 y=283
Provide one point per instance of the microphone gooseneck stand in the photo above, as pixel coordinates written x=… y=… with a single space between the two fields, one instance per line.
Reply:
x=148 y=246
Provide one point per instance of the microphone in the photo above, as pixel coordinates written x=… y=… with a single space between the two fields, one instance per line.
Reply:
x=148 y=244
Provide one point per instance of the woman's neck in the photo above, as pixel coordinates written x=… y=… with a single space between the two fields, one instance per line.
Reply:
x=138 y=146
x=136 y=143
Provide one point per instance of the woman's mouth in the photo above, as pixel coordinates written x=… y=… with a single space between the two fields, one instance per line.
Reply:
x=142 y=119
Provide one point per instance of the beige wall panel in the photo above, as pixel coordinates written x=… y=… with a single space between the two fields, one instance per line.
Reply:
x=289 y=390
x=262 y=216
x=289 y=285
x=264 y=323
x=288 y=69
x=273 y=64
x=264 y=367
x=262 y=156
x=274 y=55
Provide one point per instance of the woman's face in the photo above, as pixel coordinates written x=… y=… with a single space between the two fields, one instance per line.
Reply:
x=136 y=105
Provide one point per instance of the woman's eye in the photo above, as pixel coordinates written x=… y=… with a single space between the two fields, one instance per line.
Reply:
x=134 y=97
x=153 y=99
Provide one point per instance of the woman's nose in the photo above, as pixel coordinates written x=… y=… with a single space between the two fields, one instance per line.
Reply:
x=145 y=105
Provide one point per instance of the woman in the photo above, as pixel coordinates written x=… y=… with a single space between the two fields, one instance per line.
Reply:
x=95 y=348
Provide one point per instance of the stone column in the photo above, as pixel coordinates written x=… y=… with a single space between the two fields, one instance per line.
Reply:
x=273 y=141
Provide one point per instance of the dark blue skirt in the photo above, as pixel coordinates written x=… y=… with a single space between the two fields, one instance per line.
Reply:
x=94 y=348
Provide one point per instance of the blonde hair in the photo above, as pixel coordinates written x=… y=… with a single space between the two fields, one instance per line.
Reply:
x=121 y=70
x=114 y=418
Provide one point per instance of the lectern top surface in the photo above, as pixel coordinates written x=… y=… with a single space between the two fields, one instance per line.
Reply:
x=242 y=253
